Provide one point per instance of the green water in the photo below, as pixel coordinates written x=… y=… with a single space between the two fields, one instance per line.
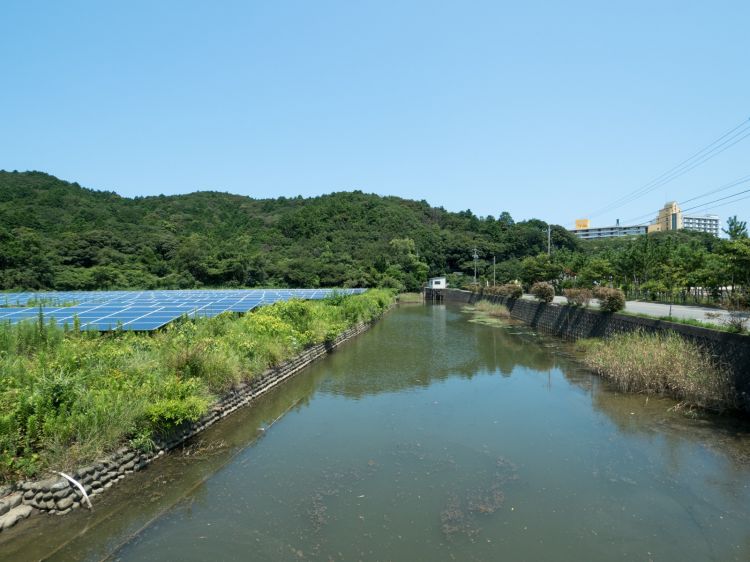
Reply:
x=430 y=438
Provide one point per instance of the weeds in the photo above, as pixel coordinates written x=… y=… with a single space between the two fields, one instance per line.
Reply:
x=67 y=397
x=491 y=309
x=663 y=363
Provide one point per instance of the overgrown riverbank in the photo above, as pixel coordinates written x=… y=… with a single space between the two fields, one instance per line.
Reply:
x=662 y=363
x=68 y=397
x=486 y=312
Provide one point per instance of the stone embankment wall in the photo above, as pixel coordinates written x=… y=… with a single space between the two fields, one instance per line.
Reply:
x=56 y=495
x=570 y=322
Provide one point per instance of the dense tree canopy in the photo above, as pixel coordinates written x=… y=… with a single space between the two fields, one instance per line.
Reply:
x=59 y=235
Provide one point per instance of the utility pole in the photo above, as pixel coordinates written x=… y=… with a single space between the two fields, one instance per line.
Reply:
x=549 y=239
x=476 y=257
x=493 y=270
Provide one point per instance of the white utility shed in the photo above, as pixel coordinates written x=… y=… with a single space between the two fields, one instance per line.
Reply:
x=437 y=283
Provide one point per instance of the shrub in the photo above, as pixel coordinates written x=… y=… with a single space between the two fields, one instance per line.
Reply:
x=738 y=312
x=543 y=291
x=662 y=363
x=610 y=300
x=578 y=297
x=510 y=290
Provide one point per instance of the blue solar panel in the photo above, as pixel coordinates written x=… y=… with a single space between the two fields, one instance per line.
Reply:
x=144 y=310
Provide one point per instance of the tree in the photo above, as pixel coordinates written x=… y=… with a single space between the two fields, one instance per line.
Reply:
x=735 y=229
x=597 y=271
x=539 y=268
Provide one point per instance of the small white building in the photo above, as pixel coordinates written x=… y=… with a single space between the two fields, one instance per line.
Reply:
x=437 y=283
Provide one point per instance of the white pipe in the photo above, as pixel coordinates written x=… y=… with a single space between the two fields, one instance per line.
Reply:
x=78 y=484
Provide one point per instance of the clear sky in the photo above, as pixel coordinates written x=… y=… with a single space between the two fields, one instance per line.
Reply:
x=550 y=109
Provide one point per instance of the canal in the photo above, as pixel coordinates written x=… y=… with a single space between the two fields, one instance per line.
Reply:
x=430 y=437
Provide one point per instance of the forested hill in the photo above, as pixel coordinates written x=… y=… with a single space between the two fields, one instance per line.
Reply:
x=59 y=235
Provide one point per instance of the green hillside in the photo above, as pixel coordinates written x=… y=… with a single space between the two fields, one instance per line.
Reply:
x=59 y=235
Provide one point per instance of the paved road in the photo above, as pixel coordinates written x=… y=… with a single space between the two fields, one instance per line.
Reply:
x=658 y=310
x=678 y=311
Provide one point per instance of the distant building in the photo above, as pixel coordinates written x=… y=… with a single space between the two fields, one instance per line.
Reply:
x=670 y=217
x=588 y=233
x=437 y=283
x=705 y=223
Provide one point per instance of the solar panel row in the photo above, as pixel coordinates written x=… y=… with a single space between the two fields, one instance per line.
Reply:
x=145 y=310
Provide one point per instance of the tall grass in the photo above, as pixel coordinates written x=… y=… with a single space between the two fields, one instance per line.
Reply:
x=492 y=309
x=67 y=396
x=662 y=363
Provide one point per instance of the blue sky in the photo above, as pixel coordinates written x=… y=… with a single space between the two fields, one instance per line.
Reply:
x=550 y=110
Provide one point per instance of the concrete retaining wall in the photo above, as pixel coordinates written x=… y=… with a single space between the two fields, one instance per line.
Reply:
x=571 y=322
x=56 y=495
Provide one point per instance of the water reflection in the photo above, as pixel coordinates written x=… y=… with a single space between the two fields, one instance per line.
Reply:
x=420 y=353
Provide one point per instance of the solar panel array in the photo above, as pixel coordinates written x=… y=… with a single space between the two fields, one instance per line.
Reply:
x=144 y=310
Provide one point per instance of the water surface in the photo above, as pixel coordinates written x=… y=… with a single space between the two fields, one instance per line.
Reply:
x=431 y=438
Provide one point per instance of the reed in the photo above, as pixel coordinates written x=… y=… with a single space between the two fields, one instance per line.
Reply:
x=661 y=363
x=491 y=309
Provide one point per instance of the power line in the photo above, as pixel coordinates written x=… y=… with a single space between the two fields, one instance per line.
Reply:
x=727 y=203
x=718 y=189
x=724 y=142
x=700 y=157
x=724 y=187
x=678 y=172
x=716 y=200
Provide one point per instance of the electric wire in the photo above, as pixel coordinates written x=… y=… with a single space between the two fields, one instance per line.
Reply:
x=716 y=200
x=727 y=203
x=673 y=176
x=718 y=189
x=686 y=165
x=727 y=140
x=724 y=187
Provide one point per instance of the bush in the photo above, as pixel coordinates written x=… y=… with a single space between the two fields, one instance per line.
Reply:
x=738 y=312
x=543 y=291
x=578 y=297
x=610 y=300
x=510 y=290
x=662 y=363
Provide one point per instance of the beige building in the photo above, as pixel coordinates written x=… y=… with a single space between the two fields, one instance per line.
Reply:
x=669 y=218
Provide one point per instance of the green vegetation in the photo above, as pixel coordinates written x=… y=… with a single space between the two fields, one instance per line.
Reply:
x=491 y=309
x=673 y=266
x=59 y=235
x=486 y=312
x=543 y=291
x=610 y=300
x=511 y=290
x=662 y=363
x=67 y=397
